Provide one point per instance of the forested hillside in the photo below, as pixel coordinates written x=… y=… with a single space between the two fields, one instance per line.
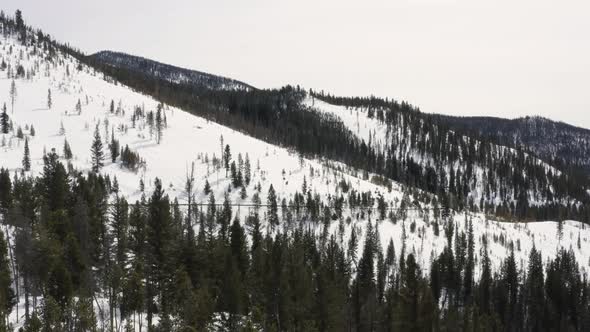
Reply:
x=475 y=172
x=169 y=73
x=134 y=200
x=561 y=143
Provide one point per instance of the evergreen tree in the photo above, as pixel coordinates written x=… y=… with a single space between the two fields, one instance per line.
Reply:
x=207 y=188
x=67 y=151
x=226 y=159
x=114 y=148
x=4 y=121
x=160 y=254
x=159 y=124
x=78 y=108
x=13 y=94
x=534 y=292
x=49 y=101
x=7 y=296
x=27 y=156
x=96 y=151
x=273 y=217
x=247 y=171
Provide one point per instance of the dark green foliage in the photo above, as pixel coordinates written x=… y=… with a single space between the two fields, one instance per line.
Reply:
x=131 y=159
x=97 y=152
x=27 y=156
x=4 y=121
x=273 y=217
x=114 y=148
x=7 y=296
x=67 y=151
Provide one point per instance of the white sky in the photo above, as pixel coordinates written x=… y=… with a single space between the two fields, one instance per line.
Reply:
x=497 y=57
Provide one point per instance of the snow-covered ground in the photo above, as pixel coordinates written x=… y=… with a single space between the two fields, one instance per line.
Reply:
x=190 y=139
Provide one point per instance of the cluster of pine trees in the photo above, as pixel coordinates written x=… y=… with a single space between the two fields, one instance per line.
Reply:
x=81 y=257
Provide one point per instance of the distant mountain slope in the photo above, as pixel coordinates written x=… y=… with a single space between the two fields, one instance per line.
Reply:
x=559 y=142
x=167 y=72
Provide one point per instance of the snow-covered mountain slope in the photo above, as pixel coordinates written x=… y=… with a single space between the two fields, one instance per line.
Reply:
x=396 y=133
x=190 y=139
x=549 y=139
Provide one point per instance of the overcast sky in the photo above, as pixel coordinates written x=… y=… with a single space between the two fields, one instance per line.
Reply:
x=497 y=57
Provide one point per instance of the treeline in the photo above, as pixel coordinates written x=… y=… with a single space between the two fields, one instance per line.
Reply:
x=82 y=258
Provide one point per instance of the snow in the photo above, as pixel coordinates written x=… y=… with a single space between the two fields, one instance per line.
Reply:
x=191 y=139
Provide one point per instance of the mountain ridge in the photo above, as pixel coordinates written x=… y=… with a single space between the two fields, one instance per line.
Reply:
x=168 y=72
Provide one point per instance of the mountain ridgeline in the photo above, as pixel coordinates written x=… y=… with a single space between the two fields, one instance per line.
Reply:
x=168 y=72
x=460 y=168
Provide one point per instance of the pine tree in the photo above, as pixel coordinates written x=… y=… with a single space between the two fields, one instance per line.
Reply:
x=49 y=101
x=67 y=151
x=534 y=291
x=224 y=218
x=7 y=297
x=273 y=217
x=79 y=107
x=114 y=148
x=4 y=121
x=13 y=94
x=247 y=171
x=160 y=254
x=207 y=188
x=159 y=124
x=27 y=156
x=470 y=264
x=112 y=107
x=226 y=159
x=97 y=152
